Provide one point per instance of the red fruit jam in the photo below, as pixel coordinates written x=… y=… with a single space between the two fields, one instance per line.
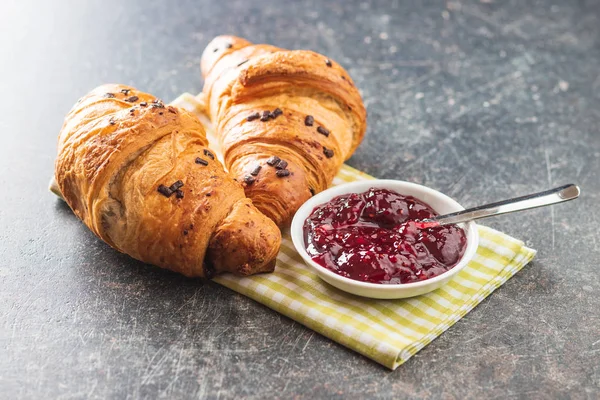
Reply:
x=374 y=237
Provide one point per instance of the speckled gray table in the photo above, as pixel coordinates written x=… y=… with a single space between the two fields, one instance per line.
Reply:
x=479 y=99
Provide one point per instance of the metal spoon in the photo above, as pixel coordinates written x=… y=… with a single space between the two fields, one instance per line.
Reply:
x=545 y=198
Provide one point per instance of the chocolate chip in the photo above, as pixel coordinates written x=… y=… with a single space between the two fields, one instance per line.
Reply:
x=328 y=63
x=312 y=191
x=343 y=77
x=179 y=194
x=272 y=161
x=228 y=46
x=143 y=104
x=276 y=113
x=125 y=91
x=282 y=172
x=185 y=232
x=209 y=154
x=201 y=161
x=256 y=170
x=266 y=115
x=242 y=63
x=165 y=191
x=176 y=186
x=309 y=120
x=132 y=99
x=252 y=117
x=323 y=131
x=112 y=121
x=109 y=95
x=160 y=113
x=328 y=152
x=281 y=164
x=208 y=194
x=157 y=103
x=131 y=110
x=249 y=179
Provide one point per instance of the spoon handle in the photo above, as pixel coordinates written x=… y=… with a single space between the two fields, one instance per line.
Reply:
x=545 y=198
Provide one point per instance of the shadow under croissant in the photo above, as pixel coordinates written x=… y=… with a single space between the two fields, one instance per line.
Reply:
x=63 y=208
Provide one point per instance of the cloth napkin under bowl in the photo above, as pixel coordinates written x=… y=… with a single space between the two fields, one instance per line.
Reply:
x=387 y=331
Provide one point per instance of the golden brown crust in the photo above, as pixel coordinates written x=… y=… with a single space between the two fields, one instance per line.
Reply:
x=116 y=148
x=242 y=79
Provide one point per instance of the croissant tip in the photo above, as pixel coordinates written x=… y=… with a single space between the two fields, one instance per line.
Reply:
x=248 y=269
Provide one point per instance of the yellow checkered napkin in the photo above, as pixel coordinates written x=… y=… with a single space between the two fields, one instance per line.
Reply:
x=387 y=331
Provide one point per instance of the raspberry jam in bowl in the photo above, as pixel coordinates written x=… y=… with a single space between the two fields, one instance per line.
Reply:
x=375 y=237
x=364 y=238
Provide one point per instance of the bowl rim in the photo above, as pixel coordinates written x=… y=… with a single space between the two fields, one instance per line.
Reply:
x=297 y=232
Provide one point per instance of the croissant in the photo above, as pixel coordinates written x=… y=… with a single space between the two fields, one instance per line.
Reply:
x=140 y=176
x=286 y=120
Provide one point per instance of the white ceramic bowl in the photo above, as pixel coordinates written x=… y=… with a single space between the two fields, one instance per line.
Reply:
x=438 y=201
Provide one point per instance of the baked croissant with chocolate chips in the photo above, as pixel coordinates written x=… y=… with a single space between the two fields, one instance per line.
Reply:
x=286 y=120
x=140 y=176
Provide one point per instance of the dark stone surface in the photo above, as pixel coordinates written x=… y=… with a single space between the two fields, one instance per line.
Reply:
x=482 y=100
